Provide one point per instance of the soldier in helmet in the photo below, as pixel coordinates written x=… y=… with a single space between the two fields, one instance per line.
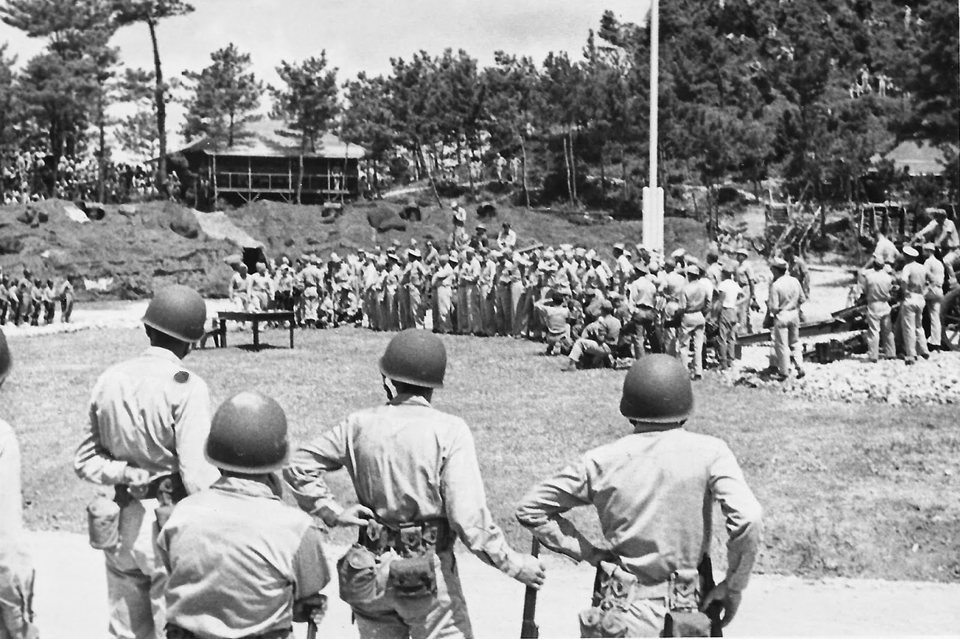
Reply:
x=419 y=489
x=16 y=566
x=241 y=563
x=653 y=491
x=149 y=420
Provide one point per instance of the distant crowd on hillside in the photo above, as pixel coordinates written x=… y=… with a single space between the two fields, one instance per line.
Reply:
x=33 y=300
x=32 y=176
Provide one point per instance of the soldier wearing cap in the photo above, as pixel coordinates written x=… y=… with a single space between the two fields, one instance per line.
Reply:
x=748 y=282
x=877 y=286
x=442 y=282
x=469 y=318
x=653 y=491
x=942 y=231
x=783 y=307
x=149 y=420
x=459 y=213
x=509 y=290
x=913 y=284
x=241 y=563
x=730 y=297
x=16 y=565
x=389 y=284
x=507 y=238
x=798 y=269
x=673 y=279
x=642 y=298
x=413 y=281
x=933 y=294
x=695 y=298
x=480 y=241
x=623 y=269
x=419 y=489
x=597 y=343
x=370 y=291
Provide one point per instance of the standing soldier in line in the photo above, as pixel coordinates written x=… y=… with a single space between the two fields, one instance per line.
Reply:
x=673 y=281
x=509 y=290
x=877 y=285
x=468 y=310
x=260 y=289
x=798 y=269
x=49 y=302
x=730 y=296
x=311 y=279
x=714 y=270
x=16 y=566
x=36 y=302
x=66 y=300
x=239 y=292
x=642 y=298
x=653 y=492
x=695 y=298
x=442 y=283
x=241 y=563
x=13 y=299
x=747 y=281
x=913 y=282
x=933 y=294
x=389 y=285
x=415 y=280
x=149 y=420
x=25 y=295
x=369 y=279
x=623 y=269
x=4 y=300
x=488 y=292
x=530 y=281
x=783 y=307
x=418 y=489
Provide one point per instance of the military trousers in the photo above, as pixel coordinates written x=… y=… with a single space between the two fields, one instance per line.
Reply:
x=911 y=315
x=692 y=331
x=441 y=616
x=786 y=341
x=934 y=304
x=442 y=309
x=879 y=330
x=16 y=593
x=135 y=579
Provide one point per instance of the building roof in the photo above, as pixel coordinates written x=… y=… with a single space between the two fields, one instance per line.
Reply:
x=271 y=138
x=918 y=157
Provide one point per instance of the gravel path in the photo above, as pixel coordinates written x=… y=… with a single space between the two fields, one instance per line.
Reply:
x=71 y=600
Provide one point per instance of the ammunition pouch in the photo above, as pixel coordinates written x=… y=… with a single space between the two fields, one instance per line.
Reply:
x=407 y=540
x=684 y=618
x=358 y=573
x=414 y=578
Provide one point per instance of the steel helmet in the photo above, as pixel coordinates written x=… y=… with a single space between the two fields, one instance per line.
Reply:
x=248 y=435
x=657 y=389
x=6 y=360
x=178 y=311
x=415 y=356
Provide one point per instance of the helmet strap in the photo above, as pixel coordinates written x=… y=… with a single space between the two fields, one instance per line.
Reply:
x=388 y=387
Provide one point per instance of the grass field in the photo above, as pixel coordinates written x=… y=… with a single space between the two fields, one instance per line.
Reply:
x=848 y=490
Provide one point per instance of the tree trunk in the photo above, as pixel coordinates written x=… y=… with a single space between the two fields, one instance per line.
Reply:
x=102 y=151
x=573 y=169
x=300 y=177
x=523 y=172
x=566 y=162
x=426 y=166
x=160 y=99
x=603 y=177
x=623 y=171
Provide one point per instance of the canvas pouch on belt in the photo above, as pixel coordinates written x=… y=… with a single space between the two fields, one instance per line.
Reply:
x=684 y=618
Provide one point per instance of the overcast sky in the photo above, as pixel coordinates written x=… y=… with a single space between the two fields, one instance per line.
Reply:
x=359 y=35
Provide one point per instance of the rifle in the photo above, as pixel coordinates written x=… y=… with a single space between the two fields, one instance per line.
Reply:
x=529 y=629
x=311 y=630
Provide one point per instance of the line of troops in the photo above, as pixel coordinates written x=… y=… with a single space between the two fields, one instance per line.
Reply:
x=915 y=276
x=33 y=300
x=198 y=542
x=486 y=286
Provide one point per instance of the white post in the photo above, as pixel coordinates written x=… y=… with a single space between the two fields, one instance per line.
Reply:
x=653 y=194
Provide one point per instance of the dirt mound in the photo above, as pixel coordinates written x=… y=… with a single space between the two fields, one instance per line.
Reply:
x=145 y=247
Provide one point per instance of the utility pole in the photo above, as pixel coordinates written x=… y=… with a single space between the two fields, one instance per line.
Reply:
x=653 y=194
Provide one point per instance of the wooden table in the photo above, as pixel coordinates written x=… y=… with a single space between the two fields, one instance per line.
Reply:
x=255 y=319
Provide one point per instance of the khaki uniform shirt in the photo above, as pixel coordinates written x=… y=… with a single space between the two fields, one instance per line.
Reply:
x=149 y=413
x=408 y=462
x=786 y=294
x=877 y=287
x=642 y=292
x=654 y=494
x=237 y=558
x=914 y=278
x=695 y=296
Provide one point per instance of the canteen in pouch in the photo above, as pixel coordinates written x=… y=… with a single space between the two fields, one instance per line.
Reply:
x=103 y=523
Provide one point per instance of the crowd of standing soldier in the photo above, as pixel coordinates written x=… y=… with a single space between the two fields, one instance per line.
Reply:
x=33 y=300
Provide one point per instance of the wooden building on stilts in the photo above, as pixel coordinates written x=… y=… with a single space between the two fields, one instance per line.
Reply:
x=268 y=162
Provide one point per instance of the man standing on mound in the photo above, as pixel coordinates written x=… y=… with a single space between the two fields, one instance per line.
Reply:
x=419 y=489
x=653 y=491
x=149 y=420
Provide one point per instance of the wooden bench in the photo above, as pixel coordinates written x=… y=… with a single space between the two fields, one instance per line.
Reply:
x=255 y=319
